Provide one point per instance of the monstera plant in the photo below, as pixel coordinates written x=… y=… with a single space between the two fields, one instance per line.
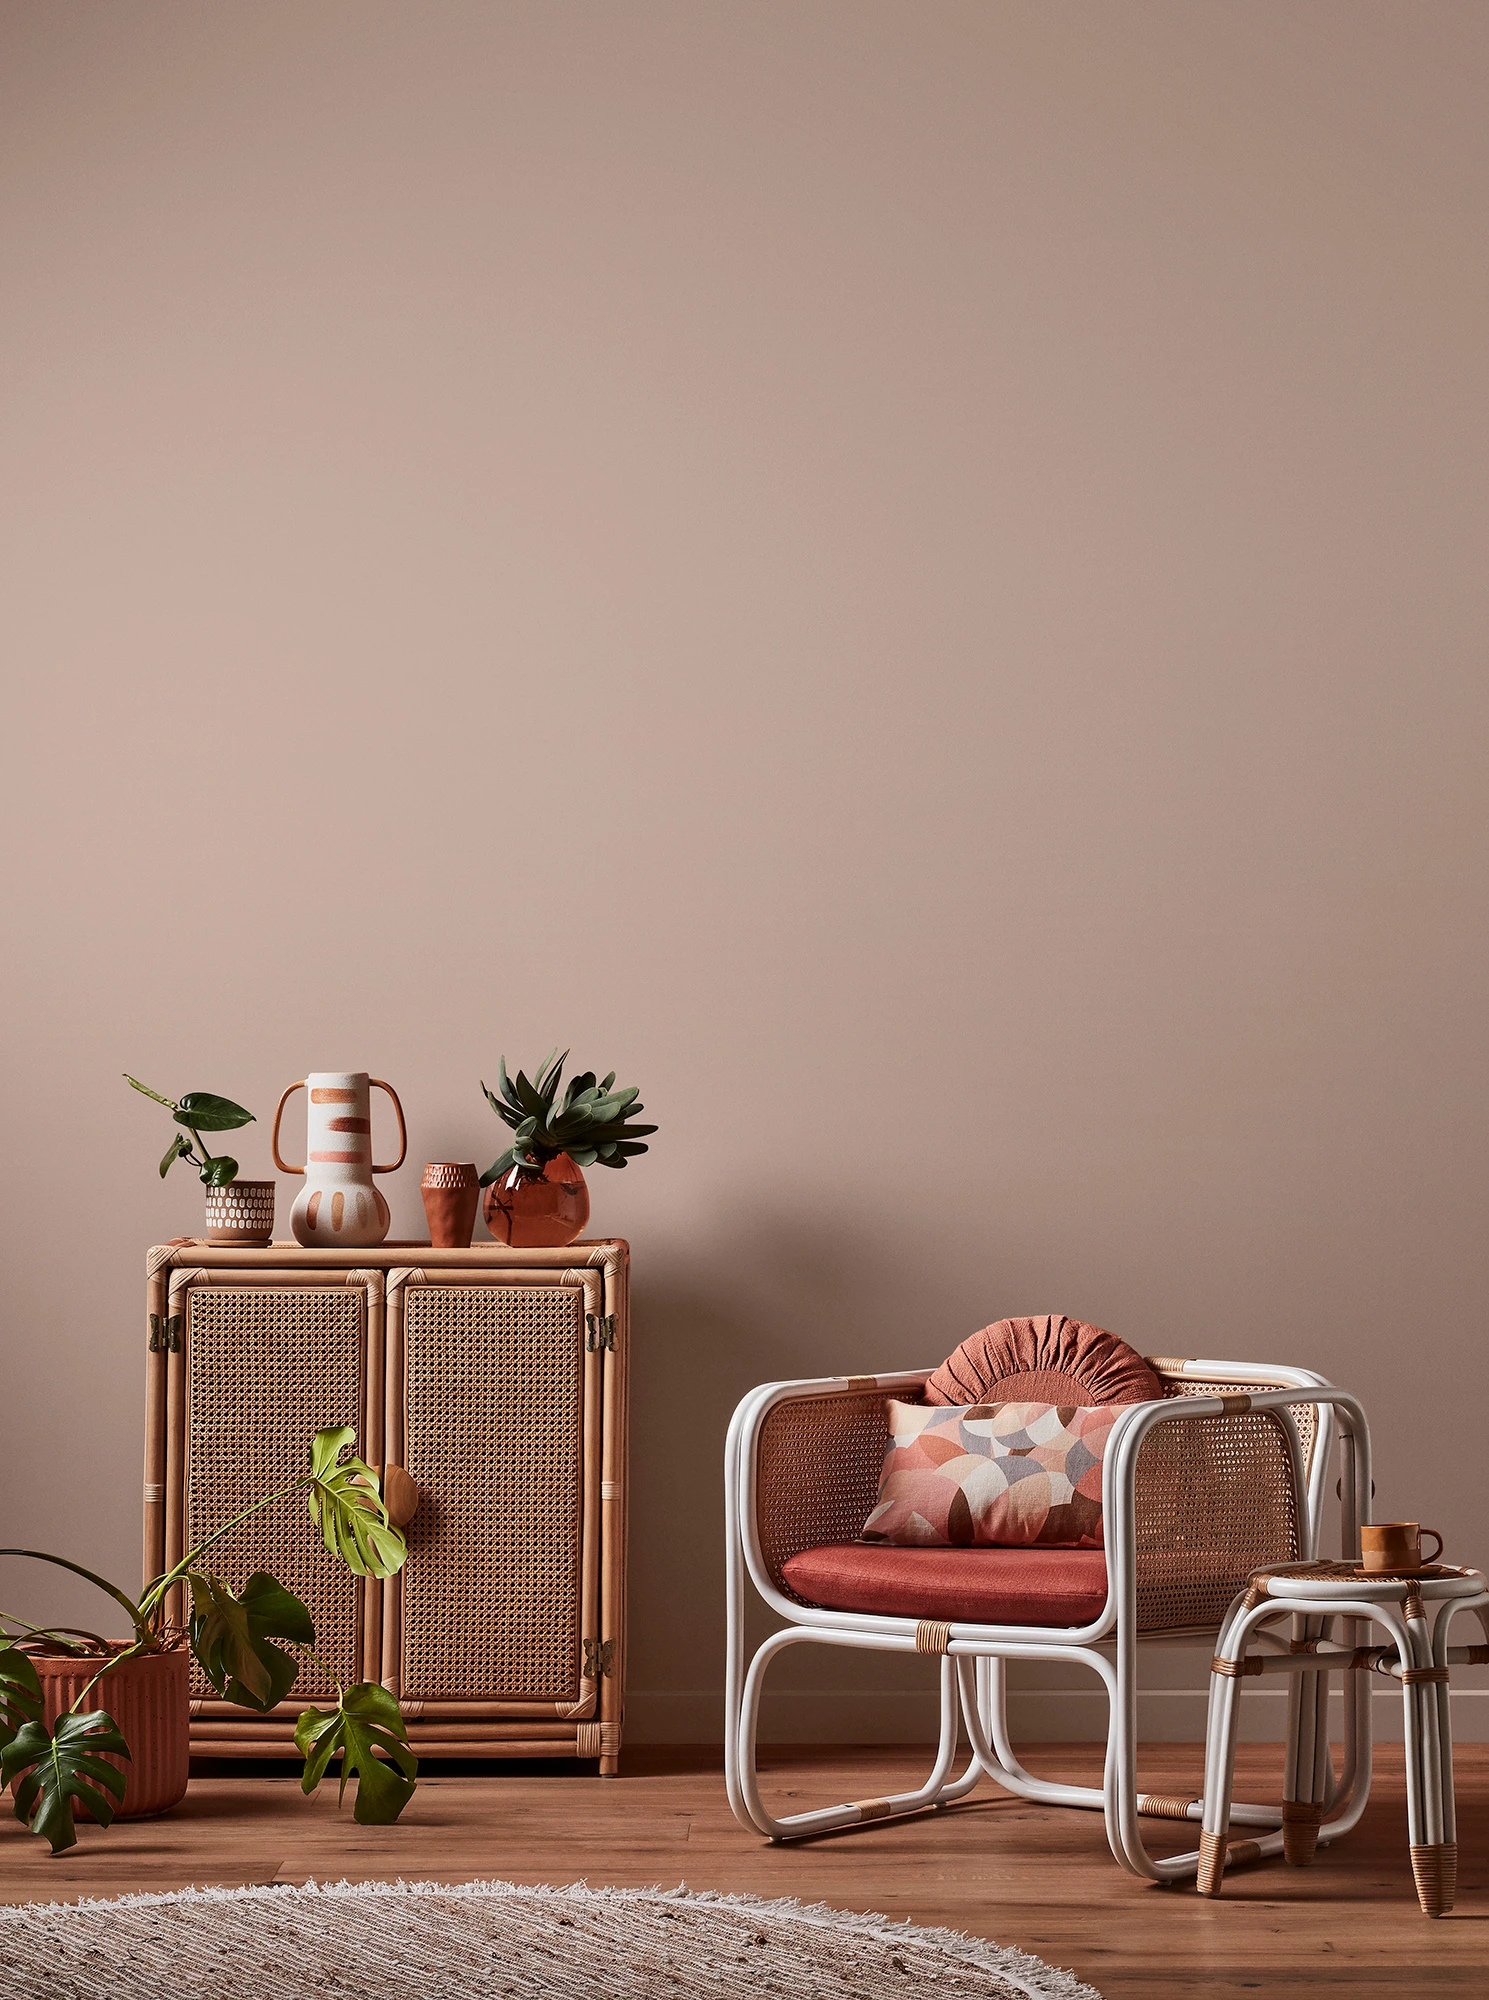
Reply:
x=249 y=1644
x=199 y=1111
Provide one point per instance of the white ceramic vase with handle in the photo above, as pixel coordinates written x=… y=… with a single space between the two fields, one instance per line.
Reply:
x=339 y=1208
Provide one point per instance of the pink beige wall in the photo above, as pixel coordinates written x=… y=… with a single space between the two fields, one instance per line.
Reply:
x=910 y=576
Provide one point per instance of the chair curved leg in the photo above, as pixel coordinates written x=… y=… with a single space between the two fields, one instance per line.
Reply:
x=983 y=1707
x=734 y=1622
x=987 y=1705
x=1117 y=1797
x=857 y=1812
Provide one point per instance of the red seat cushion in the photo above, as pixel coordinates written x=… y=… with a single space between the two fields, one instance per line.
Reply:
x=954 y=1586
x=1050 y=1359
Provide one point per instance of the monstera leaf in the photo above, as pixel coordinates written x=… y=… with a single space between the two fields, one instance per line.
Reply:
x=231 y=1637
x=20 y=1693
x=365 y=1720
x=346 y=1506
x=64 y=1767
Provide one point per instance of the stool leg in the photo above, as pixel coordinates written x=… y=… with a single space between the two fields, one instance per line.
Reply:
x=1443 y=1691
x=1434 y=1859
x=1305 y=1786
x=1435 y=1867
x=1220 y=1758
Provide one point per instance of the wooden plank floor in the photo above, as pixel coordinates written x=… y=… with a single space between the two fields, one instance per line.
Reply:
x=1027 y=1876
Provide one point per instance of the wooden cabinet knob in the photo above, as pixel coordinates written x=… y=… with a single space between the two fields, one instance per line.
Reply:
x=400 y=1495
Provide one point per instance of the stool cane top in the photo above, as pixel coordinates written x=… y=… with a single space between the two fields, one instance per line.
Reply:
x=1330 y=1578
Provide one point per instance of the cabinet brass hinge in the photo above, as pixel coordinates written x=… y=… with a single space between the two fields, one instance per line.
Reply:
x=599 y=1331
x=599 y=1659
x=165 y=1334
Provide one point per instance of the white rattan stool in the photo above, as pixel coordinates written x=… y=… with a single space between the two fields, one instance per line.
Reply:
x=1416 y=1608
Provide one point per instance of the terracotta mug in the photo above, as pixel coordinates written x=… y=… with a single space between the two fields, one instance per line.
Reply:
x=452 y=1194
x=1388 y=1545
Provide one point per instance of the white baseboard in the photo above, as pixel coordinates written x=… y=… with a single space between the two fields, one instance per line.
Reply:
x=1063 y=1715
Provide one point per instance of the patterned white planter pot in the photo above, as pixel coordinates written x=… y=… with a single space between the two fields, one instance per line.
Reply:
x=241 y=1212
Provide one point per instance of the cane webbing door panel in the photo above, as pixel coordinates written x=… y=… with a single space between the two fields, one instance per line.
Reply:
x=494 y=1412
x=266 y=1366
x=497 y=1379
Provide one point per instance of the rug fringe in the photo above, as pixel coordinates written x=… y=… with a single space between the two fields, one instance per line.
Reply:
x=1032 y=1976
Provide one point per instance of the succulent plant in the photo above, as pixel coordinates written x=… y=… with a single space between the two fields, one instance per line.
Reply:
x=592 y=1123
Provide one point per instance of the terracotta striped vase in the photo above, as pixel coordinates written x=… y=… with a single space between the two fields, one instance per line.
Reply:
x=339 y=1208
x=147 y=1698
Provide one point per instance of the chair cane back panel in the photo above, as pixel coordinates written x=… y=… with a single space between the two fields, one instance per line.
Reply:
x=495 y=1387
x=796 y=1507
x=267 y=1367
x=1215 y=1499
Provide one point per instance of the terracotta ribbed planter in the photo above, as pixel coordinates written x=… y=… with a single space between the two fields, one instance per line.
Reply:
x=147 y=1698
x=452 y=1194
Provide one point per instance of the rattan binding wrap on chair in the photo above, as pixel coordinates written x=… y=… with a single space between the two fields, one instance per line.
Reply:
x=1215 y=1498
x=498 y=1379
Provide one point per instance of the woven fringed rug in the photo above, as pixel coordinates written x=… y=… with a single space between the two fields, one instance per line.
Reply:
x=481 y=1940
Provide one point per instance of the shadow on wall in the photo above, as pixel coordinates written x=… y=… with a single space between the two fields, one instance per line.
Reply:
x=776 y=1300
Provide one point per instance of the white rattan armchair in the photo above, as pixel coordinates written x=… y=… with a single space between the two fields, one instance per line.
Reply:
x=1226 y=1473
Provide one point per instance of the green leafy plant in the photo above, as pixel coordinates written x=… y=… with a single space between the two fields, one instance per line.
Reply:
x=59 y=1768
x=233 y=1635
x=199 y=1111
x=592 y=1123
x=365 y=1720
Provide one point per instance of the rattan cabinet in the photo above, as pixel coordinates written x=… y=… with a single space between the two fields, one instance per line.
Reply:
x=497 y=1379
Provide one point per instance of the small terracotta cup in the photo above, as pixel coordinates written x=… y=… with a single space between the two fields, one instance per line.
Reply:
x=1389 y=1545
x=452 y=1194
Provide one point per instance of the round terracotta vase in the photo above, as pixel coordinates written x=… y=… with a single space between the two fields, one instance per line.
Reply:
x=538 y=1209
x=147 y=1698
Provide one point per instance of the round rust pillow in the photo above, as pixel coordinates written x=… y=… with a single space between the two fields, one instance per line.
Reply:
x=1051 y=1359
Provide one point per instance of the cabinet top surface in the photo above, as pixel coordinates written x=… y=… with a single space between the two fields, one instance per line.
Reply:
x=612 y=1251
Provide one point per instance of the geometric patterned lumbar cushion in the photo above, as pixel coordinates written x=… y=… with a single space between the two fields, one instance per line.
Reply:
x=1000 y=1475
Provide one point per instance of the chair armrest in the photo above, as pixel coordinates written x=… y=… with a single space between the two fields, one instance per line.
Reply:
x=1201 y=1490
x=806 y=1458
